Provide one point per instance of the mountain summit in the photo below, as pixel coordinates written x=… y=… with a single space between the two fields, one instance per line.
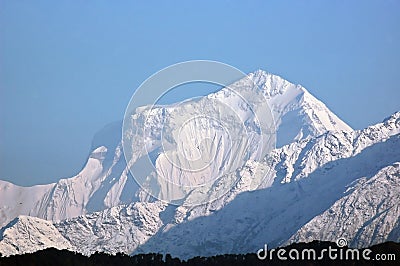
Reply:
x=105 y=180
x=297 y=113
x=299 y=191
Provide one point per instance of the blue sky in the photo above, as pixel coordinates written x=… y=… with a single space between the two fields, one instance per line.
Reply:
x=67 y=68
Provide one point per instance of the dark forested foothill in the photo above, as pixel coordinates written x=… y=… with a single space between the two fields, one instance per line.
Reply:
x=389 y=251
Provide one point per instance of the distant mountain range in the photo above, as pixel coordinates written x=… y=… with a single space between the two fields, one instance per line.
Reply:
x=323 y=181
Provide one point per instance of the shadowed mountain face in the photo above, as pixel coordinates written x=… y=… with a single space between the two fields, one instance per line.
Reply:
x=278 y=214
x=323 y=181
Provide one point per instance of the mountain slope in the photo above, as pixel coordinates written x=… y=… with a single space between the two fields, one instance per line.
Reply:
x=275 y=201
x=300 y=159
x=308 y=181
x=105 y=180
x=28 y=234
x=118 y=229
x=367 y=215
x=274 y=214
x=16 y=200
x=69 y=197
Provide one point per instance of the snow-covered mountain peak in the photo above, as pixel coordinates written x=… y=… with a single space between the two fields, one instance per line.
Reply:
x=389 y=125
x=27 y=234
x=131 y=224
x=297 y=113
x=273 y=85
x=285 y=97
x=393 y=119
x=325 y=172
x=106 y=181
